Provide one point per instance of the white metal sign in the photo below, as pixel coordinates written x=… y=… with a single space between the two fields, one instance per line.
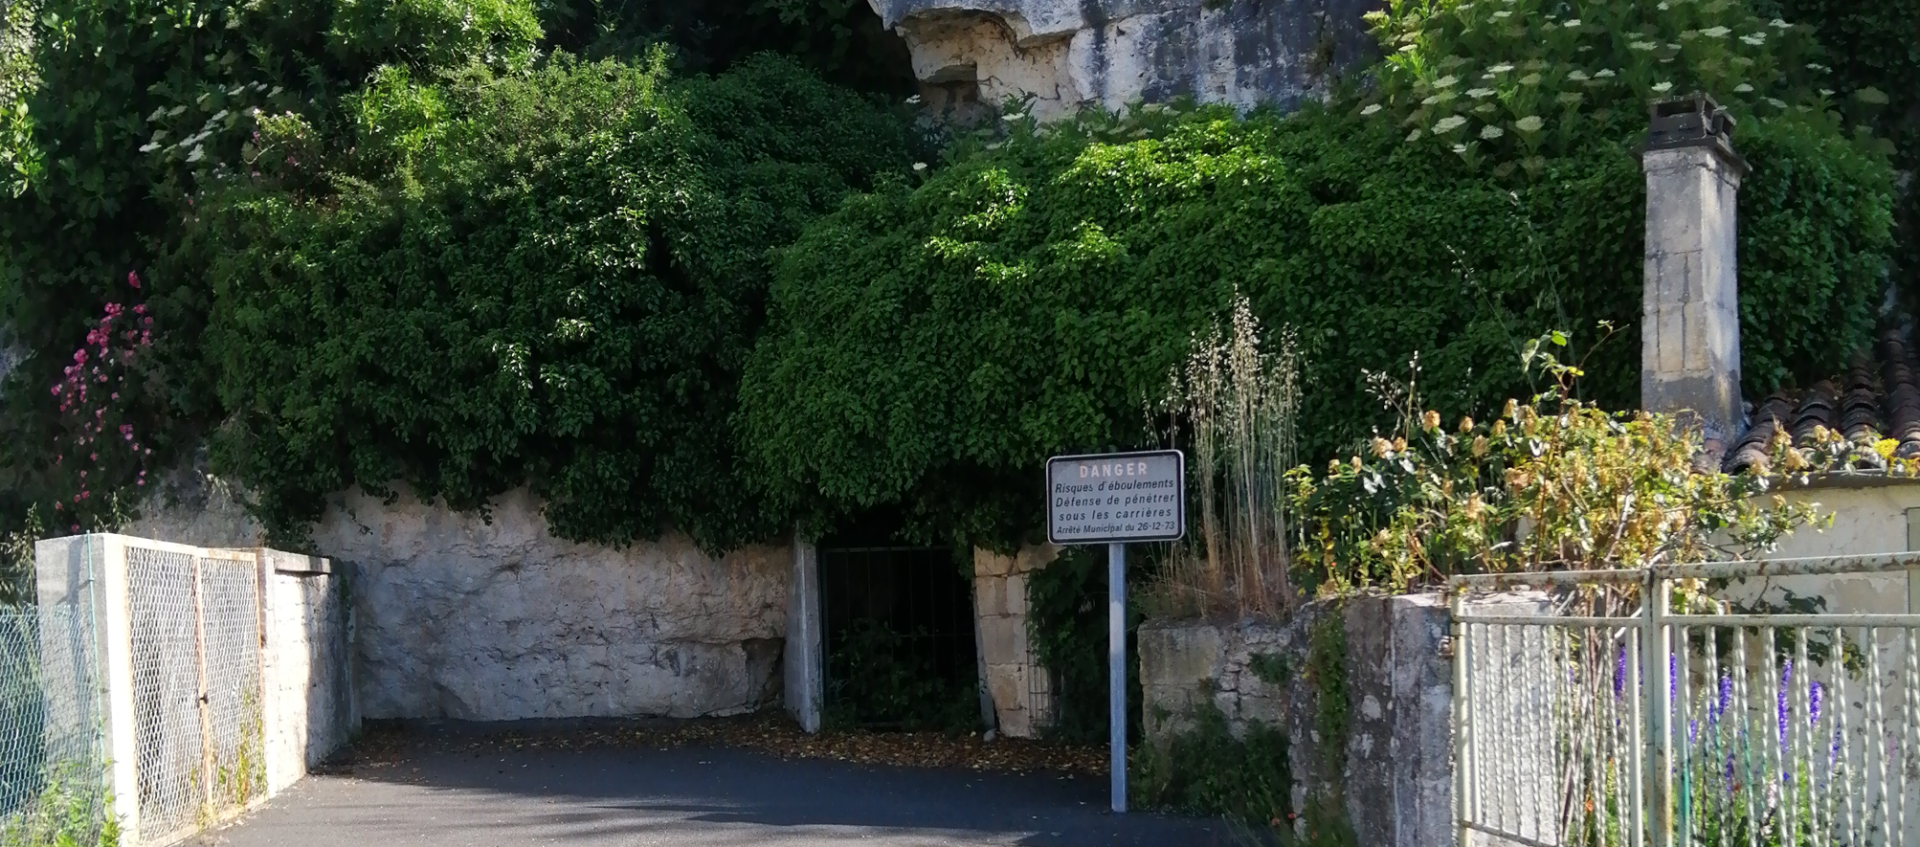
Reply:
x=1117 y=497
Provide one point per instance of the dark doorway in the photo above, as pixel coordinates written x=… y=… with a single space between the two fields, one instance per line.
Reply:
x=897 y=625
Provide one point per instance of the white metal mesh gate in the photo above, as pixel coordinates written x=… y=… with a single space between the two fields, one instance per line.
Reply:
x=1604 y=716
x=198 y=720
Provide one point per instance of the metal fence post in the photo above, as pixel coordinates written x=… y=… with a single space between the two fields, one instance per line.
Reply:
x=1656 y=647
x=1462 y=762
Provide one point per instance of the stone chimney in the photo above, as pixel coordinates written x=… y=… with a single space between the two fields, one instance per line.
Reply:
x=1690 y=315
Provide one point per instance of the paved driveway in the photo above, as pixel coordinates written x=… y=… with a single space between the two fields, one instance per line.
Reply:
x=693 y=797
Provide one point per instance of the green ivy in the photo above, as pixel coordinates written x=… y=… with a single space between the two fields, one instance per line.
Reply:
x=1205 y=769
x=1326 y=670
x=932 y=344
x=1874 y=46
x=556 y=287
x=1067 y=628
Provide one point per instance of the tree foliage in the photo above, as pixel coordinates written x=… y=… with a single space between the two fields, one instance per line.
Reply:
x=932 y=344
x=557 y=287
x=122 y=116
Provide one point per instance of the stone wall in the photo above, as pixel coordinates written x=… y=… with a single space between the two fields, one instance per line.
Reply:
x=1394 y=776
x=1111 y=53
x=1016 y=685
x=308 y=666
x=460 y=617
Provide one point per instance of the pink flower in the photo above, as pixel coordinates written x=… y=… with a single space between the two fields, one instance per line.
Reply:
x=57 y=505
x=56 y=391
x=133 y=279
x=140 y=309
x=79 y=357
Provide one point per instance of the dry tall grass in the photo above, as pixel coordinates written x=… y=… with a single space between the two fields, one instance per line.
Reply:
x=1233 y=409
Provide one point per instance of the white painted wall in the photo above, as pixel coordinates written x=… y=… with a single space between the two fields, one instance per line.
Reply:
x=1866 y=520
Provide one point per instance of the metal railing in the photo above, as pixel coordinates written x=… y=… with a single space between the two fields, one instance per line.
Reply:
x=1588 y=710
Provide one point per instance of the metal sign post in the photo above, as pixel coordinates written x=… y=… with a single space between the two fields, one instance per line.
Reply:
x=1113 y=499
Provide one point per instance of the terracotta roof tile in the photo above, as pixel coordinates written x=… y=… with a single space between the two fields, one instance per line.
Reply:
x=1877 y=399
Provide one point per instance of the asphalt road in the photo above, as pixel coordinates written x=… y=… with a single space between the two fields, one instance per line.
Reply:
x=693 y=797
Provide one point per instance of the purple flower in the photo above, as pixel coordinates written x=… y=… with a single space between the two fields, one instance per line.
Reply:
x=1693 y=731
x=1786 y=679
x=1813 y=715
x=1620 y=673
x=1673 y=676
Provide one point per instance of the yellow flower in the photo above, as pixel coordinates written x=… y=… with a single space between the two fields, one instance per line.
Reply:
x=1480 y=445
x=1475 y=507
x=1499 y=428
x=1512 y=411
x=1885 y=448
x=1356 y=463
x=1430 y=421
x=1381 y=447
x=1466 y=425
x=1399 y=445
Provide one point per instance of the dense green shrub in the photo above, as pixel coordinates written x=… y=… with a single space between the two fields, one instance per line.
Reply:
x=933 y=344
x=555 y=287
x=1874 y=47
x=118 y=116
x=1206 y=770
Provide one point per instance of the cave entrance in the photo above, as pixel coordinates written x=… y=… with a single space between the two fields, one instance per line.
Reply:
x=897 y=628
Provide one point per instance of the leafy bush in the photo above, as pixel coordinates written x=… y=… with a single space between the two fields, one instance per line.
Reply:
x=878 y=678
x=556 y=287
x=1067 y=628
x=1557 y=485
x=932 y=344
x=1873 y=51
x=1206 y=770
x=120 y=116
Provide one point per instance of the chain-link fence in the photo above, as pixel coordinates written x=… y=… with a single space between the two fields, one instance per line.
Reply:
x=52 y=757
x=196 y=688
x=136 y=694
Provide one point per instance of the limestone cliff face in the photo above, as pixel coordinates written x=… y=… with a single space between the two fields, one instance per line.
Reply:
x=1110 y=53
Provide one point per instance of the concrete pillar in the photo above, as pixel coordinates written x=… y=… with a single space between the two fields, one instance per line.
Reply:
x=805 y=674
x=1690 y=319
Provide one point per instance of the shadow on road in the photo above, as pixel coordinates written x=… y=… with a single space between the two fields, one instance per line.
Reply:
x=457 y=789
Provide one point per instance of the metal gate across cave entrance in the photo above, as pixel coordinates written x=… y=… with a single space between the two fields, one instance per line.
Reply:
x=898 y=631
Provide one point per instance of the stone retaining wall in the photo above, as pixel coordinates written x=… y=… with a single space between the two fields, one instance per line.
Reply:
x=1395 y=776
x=463 y=618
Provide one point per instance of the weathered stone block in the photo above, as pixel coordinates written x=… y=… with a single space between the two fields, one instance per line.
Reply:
x=1176 y=656
x=1003 y=640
